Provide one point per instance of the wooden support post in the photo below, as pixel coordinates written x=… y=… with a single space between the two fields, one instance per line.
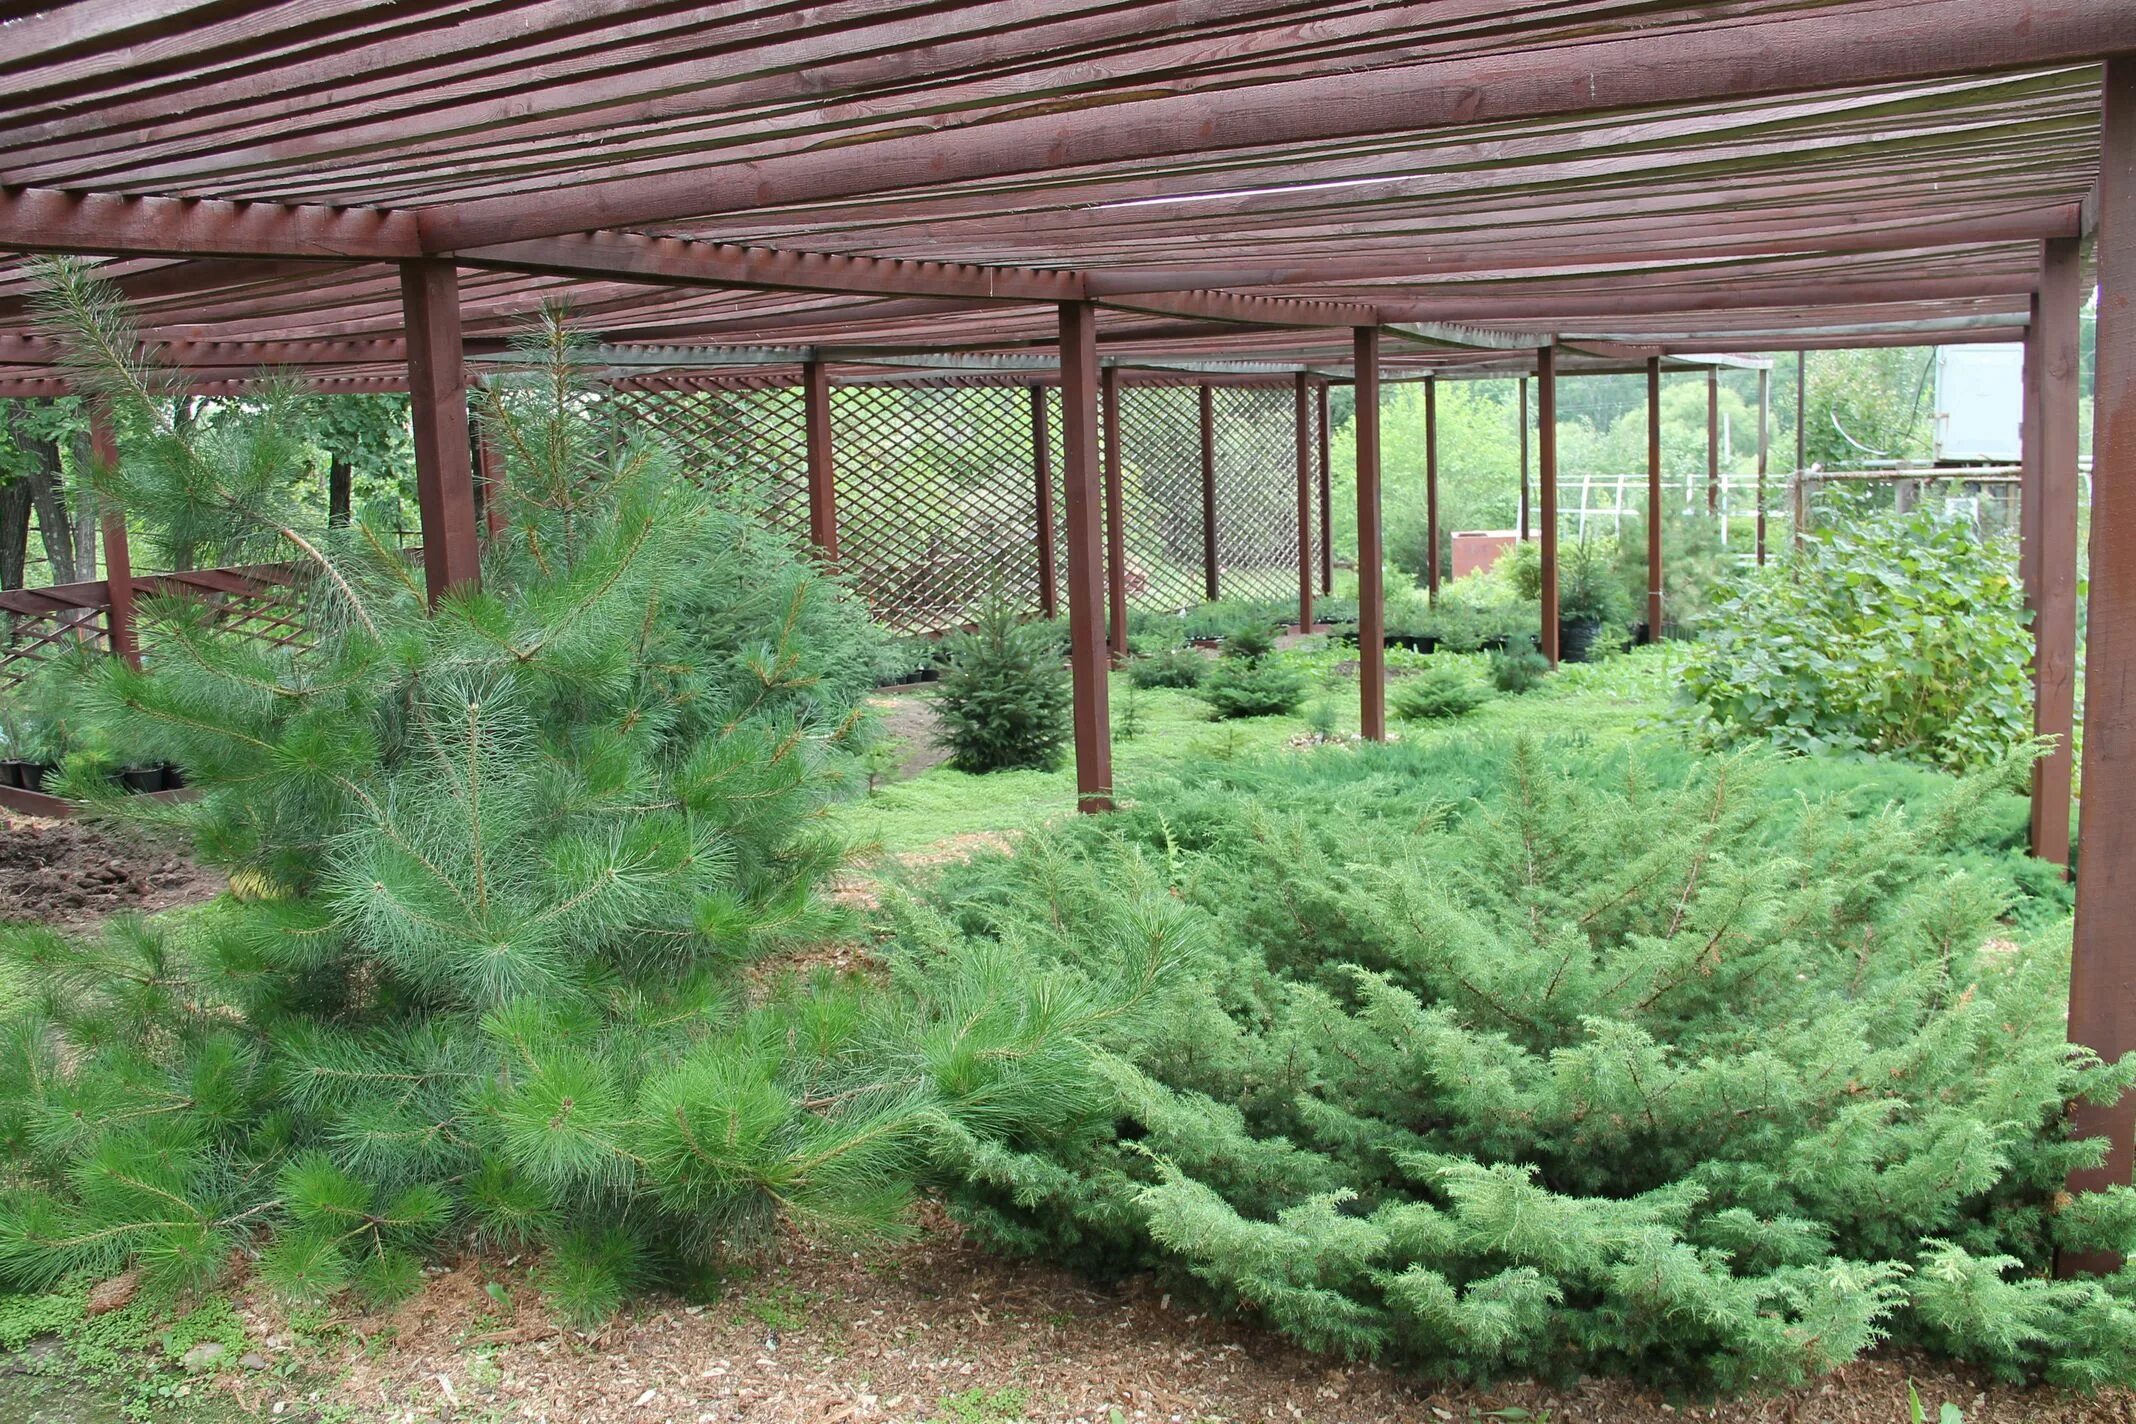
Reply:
x=822 y=473
x=1302 y=430
x=1086 y=593
x=1524 y=459
x=437 y=400
x=1653 y=509
x=2028 y=478
x=1547 y=491
x=1115 y=516
x=340 y=480
x=1765 y=403
x=2102 y=971
x=1049 y=594
x=489 y=460
x=1713 y=440
x=1327 y=498
x=1802 y=446
x=2054 y=625
x=118 y=553
x=1206 y=407
x=1371 y=593
x=1431 y=489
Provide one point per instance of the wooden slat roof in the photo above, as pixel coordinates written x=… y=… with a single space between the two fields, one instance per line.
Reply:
x=1235 y=180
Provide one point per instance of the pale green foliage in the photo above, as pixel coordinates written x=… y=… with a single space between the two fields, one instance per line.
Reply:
x=1885 y=632
x=1600 y=1070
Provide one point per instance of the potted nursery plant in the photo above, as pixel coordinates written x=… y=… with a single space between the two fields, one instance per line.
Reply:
x=1589 y=597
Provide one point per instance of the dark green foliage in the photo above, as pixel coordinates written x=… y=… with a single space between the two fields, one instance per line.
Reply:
x=1250 y=681
x=1518 y=669
x=1442 y=689
x=1004 y=699
x=1697 y=568
x=1886 y=632
x=1170 y=667
x=1613 y=1067
x=1588 y=590
x=498 y=864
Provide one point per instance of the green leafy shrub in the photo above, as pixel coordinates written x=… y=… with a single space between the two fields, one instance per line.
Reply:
x=1519 y=668
x=1887 y=632
x=1611 y=1068
x=500 y=861
x=1444 y=689
x=1171 y=667
x=1250 y=681
x=1004 y=700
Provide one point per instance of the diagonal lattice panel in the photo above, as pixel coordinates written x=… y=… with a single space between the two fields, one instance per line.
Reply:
x=750 y=445
x=1161 y=488
x=1256 y=492
x=936 y=499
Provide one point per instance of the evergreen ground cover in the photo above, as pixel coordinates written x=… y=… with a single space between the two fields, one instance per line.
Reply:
x=1501 y=1055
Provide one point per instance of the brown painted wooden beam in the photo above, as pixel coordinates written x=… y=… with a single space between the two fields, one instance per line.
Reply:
x=1524 y=513
x=1547 y=494
x=46 y=220
x=1049 y=596
x=1327 y=496
x=1302 y=455
x=1653 y=501
x=118 y=553
x=2054 y=663
x=1431 y=489
x=1115 y=514
x=1788 y=52
x=1371 y=577
x=2102 y=971
x=1086 y=594
x=1802 y=447
x=1765 y=405
x=1713 y=441
x=437 y=386
x=822 y=472
x=1205 y=412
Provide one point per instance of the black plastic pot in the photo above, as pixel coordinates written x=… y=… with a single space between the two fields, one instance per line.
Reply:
x=173 y=776
x=1414 y=642
x=1576 y=638
x=11 y=772
x=141 y=779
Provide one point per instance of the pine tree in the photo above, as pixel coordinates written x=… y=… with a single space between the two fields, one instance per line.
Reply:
x=495 y=866
x=1004 y=696
x=1589 y=1068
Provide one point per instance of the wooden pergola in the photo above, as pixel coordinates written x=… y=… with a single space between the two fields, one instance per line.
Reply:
x=1084 y=191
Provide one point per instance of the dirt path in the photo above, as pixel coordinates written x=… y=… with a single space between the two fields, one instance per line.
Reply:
x=938 y=1330
x=71 y=874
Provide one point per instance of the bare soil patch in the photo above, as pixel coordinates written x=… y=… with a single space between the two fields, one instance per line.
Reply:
x=72 y=874
x=939 y=1330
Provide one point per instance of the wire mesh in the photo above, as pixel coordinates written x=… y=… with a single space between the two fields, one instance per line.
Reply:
x=749 y=445
x=1256 y=492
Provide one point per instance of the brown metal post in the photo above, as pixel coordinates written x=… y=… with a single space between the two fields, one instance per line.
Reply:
x=1546 y=489
x=1765 y=402
x=1524 y=459
x=118 y=554
x=1206 y=404
x=1302 y=430
x=1654 y=572
x=1115 y=517
x=437 y=400
x=1086 y=594
x=1371 y=594
x=1802 y=444
x=2054 y=625
x=1713 y=440
x=1049 y=594
x=2102 y=971
x=1327 y=499
x=1431 y=487
x=822 y=474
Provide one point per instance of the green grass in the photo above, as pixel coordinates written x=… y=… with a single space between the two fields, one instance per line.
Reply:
x=1619 y=698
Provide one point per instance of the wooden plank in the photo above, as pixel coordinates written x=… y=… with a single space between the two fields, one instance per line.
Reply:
x=1371 y=590
x=1086 y=595
x=437 y=384
x=822 y=475
x=46 y=220
x=1049 y=598
x=2102 y=971
x=1653 y=500
x=2054 y=664
x=1547 y=491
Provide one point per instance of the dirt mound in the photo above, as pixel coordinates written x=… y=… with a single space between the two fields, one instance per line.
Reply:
x=70 y=873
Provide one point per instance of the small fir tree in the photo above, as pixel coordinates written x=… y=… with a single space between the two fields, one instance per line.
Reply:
x=1004 y=697
x=1249 y=680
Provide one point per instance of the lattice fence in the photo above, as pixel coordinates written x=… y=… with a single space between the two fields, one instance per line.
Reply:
x=1256 y=492
x=1161 y=495
x=44 y=623
x=750 y=444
